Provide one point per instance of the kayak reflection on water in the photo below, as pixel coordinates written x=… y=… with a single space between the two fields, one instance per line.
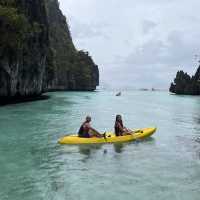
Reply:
x=118 y=147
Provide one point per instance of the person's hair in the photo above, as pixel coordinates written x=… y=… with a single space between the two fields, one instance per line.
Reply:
x=88 y=118
x=117 y=120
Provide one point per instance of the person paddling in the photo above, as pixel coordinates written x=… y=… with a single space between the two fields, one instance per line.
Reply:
x=120 y=129
x=87 y=131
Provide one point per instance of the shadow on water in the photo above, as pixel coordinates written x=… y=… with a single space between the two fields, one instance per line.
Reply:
x=149 y=140
x=89 y=150
x=120 y=147
x=18 y=100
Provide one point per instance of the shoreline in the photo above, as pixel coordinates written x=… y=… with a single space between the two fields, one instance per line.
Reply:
x=17 y=100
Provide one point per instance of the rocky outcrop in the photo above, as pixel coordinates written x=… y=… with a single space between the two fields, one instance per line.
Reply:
x=184 y=84
x=69 y=69
x=37 y=53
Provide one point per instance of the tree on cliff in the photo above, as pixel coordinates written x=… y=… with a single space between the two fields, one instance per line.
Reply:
x=184 y=84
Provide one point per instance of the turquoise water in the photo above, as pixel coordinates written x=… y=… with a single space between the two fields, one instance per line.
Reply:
x=167 y=166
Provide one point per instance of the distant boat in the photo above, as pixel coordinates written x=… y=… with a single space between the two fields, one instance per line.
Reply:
x=118 y=94
x=144 y=89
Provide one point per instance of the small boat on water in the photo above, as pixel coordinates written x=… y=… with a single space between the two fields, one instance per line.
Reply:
x=109 y=137
x=118 y=94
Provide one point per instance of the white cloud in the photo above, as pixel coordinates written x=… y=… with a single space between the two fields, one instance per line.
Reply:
x=147 y=26
x=137 y=42
x=81 y=30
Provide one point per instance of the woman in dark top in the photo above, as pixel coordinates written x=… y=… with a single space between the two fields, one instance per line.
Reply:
x=120 y=129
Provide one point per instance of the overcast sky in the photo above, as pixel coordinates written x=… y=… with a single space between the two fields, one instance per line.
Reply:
x=137 y=43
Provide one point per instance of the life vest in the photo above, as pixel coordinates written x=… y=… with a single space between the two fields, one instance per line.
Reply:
x=83 y=131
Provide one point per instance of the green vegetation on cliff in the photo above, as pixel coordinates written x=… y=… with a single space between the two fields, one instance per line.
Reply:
x=184 y=84
x=37 y=53
x=69 y=69
x=13 y=28
x=23 y=46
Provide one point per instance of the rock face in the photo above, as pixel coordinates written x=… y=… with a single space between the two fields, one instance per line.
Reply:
x=184 y=84
x=69 y=69
x=37 y=53
x=23 y=46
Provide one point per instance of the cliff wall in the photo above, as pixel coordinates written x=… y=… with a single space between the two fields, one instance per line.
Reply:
x=37 y=53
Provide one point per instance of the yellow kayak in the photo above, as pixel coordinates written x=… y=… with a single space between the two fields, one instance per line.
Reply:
x=109 y=138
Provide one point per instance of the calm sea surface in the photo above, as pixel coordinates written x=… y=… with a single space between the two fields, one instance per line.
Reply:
x=167 y=166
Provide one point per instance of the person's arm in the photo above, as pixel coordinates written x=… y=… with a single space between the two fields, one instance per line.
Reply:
x=127 y=130
x=124 y=129
x=95 y=130
x=92 y=129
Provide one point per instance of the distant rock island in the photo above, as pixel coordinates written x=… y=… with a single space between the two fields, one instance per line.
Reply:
x=184 y=84
x=37 y=53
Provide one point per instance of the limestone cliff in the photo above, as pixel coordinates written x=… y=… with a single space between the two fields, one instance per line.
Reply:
x=23 y=46
x=70 y=69
x=37 y=53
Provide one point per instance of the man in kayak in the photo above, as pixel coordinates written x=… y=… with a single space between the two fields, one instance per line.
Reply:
x=120 y=129
x=86 y=131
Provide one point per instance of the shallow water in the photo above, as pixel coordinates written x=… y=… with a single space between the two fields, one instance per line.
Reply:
x=166 y=166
